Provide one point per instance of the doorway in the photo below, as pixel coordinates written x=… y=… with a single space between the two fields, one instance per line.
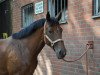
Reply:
x=5 y=18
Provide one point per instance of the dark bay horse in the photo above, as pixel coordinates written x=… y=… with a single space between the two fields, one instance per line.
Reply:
x=18 y=53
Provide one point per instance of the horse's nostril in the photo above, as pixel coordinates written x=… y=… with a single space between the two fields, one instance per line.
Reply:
x=64 y=53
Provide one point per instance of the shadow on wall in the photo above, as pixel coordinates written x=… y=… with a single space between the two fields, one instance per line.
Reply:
x=44 y=65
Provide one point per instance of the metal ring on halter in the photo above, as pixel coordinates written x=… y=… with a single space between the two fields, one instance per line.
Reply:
x=46 y=36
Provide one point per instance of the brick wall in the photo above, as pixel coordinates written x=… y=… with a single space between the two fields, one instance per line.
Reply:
x=16 y=12
x=80 y=29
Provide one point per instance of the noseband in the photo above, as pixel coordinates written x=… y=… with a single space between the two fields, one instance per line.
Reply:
x=47 y=37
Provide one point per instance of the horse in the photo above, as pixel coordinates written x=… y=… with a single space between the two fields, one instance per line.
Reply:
x=18 y=53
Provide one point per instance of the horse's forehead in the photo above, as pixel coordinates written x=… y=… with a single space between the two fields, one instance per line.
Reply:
x=53 y=21
x=56 y=27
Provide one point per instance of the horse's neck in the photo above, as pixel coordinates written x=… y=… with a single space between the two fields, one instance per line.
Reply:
x=35 y=42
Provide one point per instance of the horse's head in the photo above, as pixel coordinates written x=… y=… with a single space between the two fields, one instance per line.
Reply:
x=53 y=35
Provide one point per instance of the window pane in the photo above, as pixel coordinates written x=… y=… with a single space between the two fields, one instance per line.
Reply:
x=94 y=7
x=63 y=4
x=27 y=15
x=59 y=5
x=98 y=6
x=55 y=6
x=66 y=5
x=64 y=11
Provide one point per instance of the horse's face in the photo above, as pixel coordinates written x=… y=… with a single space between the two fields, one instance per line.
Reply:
x=53 y=36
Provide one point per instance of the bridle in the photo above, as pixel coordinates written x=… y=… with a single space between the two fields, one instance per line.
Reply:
x=48 y=38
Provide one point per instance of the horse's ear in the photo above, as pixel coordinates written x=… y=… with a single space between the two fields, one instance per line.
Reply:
x=58 y=17
x=48 y=16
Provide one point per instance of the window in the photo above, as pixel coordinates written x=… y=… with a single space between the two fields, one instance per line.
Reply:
x=55 y=6
x=96 y=8
x=27 y=15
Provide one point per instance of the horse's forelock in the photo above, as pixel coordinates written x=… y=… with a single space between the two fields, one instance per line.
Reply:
x=33 y=27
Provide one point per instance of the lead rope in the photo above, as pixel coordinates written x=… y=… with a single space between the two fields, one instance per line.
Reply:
x=76 y=58
x=87 y=71
x=85 y=53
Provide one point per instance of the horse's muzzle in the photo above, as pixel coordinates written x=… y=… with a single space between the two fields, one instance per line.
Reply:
x=61 y=54
x=60 y=49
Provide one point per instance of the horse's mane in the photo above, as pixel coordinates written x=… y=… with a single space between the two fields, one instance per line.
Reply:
x=33 y=27
x=29 y=30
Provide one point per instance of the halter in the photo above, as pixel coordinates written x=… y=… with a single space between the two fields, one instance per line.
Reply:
x=46 y=36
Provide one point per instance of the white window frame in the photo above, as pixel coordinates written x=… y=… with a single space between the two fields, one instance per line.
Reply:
x=51 y=8
x=96 y=9
x=27 y=15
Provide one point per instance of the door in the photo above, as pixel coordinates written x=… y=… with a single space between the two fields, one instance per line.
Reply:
x=5 y=18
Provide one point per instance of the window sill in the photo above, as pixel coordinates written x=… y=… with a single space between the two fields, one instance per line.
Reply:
x=96 y=16
x=63 y=22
